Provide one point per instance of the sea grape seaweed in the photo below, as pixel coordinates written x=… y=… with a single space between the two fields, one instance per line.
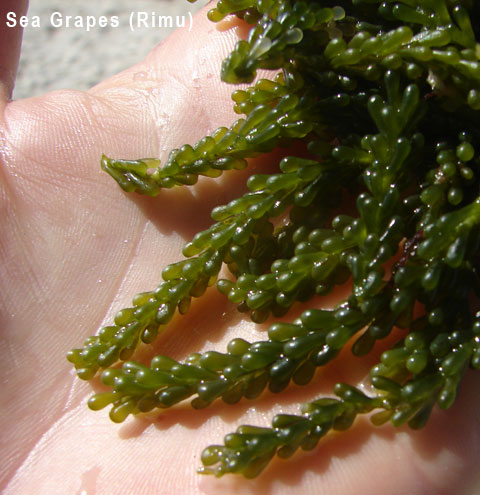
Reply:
x=384 y=97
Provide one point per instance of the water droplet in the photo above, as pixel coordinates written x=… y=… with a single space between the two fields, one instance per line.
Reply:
x=89 y=481
x=163 y=119
x=139 y=75
x=196 y=80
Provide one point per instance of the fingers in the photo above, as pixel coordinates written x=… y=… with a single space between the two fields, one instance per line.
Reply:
x=10 y=43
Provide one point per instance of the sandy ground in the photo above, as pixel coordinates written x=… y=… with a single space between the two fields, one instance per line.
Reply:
x=56 y=56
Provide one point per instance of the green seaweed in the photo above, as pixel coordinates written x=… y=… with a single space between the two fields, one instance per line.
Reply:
x=384 y=97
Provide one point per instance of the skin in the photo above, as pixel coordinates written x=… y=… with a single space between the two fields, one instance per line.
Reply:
x=74 y=249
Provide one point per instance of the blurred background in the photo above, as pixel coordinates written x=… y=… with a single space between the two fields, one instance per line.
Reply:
x=74 y=58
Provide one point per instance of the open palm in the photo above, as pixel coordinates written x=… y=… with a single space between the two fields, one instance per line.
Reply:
x=74 y=249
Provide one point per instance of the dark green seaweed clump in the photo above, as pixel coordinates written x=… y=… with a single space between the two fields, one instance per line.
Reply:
x=383 y=100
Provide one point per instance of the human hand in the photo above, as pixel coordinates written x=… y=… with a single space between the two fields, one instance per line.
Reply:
x=75 y=249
